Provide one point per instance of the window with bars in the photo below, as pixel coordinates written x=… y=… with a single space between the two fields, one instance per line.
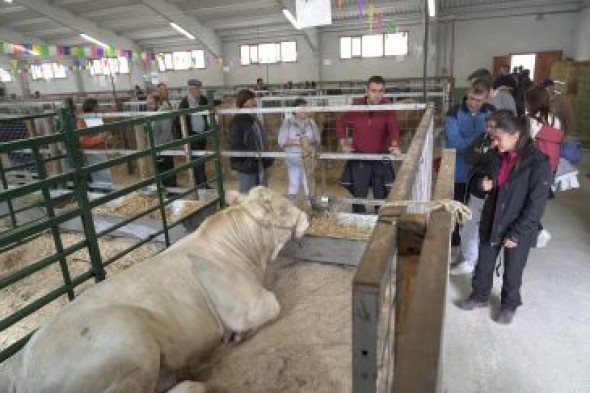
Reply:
x=5 y=75
x=181 y=60
x=268 y=53
x=109 y=66
x=374 y=45
x=48 y=71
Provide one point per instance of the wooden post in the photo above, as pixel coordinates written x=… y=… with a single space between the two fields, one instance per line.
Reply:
x=31 y=129
x=418 y=366
x=187 y=148
x=54 y=166
x=308 y=159
x=141 y=143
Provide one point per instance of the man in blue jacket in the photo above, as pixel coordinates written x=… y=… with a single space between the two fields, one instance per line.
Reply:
x=464 y=122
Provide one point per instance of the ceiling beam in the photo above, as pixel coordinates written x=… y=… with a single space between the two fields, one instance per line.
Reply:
x=9 y=35
x=30 y=21
x=78 y=24
x=11 y=9
x=237 y=23
x=311 y=33
x=205 y=35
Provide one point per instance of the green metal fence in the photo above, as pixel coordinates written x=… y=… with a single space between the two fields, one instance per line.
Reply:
x=30 y=210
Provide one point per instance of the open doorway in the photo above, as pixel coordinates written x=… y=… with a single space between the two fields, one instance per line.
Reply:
x=527 y=61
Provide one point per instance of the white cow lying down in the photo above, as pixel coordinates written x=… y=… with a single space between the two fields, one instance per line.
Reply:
x=135 y=331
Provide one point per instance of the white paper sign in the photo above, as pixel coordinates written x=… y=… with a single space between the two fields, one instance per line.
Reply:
x=312 y=13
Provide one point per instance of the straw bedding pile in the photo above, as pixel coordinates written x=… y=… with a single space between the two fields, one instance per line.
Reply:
x=132 y=204
x=136 y=202
x=16 y=296
x=308 y=349
x=326 y=224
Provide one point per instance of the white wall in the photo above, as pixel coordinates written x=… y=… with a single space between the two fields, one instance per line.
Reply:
x=478 y=41
x=103 y=83
x=304 y=69
x=581 y=49
x=212 y=76
x=388 y=67
x=13 y=87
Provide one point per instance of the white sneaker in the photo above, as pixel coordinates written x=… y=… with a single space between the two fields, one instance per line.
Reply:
x=462 y=268
x=543 y=238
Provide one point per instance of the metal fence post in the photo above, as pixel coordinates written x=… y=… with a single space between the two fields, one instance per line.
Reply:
x=217 y=143
x=42 y=172
x=81 y=191
x=159 y=186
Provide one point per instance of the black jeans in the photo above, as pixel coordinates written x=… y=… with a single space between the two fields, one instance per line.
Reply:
x=458 y=195
x=165 y=163
x=375 y=174
x=514 y=262
x=199 y=174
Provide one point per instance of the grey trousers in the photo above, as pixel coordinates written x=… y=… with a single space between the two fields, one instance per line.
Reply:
x=251 y=180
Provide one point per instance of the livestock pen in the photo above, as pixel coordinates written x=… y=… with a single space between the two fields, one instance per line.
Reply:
x=393 y=258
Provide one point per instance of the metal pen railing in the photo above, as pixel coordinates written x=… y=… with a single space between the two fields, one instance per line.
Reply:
x=29 y=211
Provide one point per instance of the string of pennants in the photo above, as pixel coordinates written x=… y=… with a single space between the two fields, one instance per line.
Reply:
x=365 y=9
x=80 y=55
x=91 y=51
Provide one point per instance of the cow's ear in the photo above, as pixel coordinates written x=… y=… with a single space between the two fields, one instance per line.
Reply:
x=233 y=197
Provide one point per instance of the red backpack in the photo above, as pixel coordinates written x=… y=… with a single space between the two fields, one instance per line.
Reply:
x=549 y=140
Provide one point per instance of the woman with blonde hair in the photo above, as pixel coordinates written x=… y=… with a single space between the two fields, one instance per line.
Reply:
x=298 y=134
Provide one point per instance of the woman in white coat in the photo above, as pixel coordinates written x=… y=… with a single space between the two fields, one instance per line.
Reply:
x=298 y=134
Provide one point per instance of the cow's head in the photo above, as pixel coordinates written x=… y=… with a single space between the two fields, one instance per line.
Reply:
x=272 y=210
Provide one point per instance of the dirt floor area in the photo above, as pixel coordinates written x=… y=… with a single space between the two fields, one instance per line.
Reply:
x=308 y=349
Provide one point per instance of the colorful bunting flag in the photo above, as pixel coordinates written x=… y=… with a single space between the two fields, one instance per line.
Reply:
x=390 y=28
x=360 y=7
x=371 y=15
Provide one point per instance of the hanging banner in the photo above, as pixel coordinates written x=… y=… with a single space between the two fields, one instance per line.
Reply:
x=312 y=13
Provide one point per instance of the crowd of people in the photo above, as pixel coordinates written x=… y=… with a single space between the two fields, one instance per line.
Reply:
x=503 y=171
x=507 y=134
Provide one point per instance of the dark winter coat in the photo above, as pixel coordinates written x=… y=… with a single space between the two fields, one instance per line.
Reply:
x=189 y=125
x=243 y=138
x=461 y=128
x=515 y=210
x=479 y=156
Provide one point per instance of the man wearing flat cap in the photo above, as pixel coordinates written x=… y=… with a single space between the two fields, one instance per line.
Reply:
x=196 y=124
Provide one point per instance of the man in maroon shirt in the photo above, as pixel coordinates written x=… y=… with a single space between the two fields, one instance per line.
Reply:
x=369 y=132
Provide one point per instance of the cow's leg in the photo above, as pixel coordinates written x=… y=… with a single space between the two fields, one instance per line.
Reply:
x=266 y=309
x=189 y=387
x=139 y=371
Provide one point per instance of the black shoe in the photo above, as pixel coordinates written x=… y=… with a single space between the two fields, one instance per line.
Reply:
x=471 y=304
x=505 y=316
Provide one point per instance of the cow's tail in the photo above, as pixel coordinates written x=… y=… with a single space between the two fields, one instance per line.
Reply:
x=9 y=369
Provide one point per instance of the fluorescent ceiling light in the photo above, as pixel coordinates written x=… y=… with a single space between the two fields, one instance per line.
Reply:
x=182 y=31
x=291 y=18
x=94 y=40
x=431 y=8
x=8 y=1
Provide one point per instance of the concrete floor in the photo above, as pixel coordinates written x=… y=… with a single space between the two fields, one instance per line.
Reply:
x=547 y=346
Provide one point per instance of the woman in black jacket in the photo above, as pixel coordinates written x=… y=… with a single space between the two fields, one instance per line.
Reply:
x=517 y=190
x=248 y=135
